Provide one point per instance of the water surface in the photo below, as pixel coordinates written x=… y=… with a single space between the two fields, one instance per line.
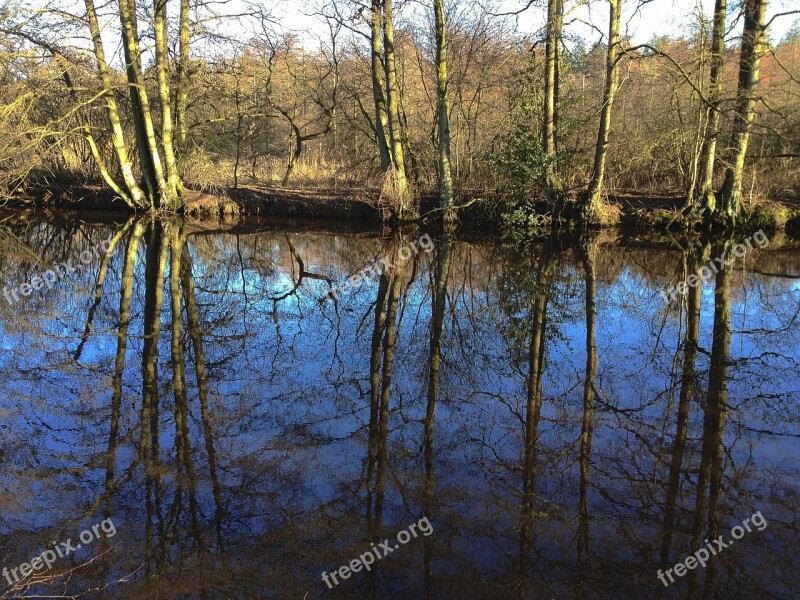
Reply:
x=565 y=432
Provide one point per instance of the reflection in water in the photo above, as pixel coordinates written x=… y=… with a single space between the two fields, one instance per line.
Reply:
x=566 y=433
x=587 y=250
x=694 y=258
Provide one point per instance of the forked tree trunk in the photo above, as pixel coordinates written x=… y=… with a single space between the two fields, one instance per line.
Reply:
x=445 y=172
x=749 y=63
x=591 y=201
x=152 y=170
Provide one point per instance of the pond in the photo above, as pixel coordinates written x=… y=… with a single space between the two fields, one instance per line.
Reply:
x=284 y=410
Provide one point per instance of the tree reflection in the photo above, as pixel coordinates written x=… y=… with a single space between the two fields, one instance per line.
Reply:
x=696 y=257
x=533 y=409
x=588 y=251
x=539 y=404
x=441 y=275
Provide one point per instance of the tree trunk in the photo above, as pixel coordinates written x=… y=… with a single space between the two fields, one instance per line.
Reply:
x=708 y=153
x=182 y=93
x=749 y=63
x=405 y=208
x=553 y=185
x=152 y=171
x=117 y=136
x=445 y=172
x=381 y=117
x=173 y=189
x=591 y=200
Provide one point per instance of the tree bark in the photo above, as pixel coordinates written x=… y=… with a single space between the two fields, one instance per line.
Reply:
x=749 y=63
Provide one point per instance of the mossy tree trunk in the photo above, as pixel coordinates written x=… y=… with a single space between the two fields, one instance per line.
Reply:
x=749 y=63
x=590 y=207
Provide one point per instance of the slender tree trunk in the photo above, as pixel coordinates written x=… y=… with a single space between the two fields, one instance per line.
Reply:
x=378 y=73
x=182 y=93
x=553 y=184
x=405 y=208
x=591 y=201
x=749 y=63
x=171 y=199
x=445 y=172
x=708 y=153
x=117 y=136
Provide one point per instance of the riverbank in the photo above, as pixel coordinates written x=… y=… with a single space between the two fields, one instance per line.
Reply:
x=630 y=209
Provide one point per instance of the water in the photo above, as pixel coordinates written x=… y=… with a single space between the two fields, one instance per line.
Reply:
x=564 y=431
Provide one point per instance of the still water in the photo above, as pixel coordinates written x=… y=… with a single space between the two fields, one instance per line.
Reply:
x=551 y=426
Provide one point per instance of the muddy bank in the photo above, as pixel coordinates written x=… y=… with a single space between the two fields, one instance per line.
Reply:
x=362 y=205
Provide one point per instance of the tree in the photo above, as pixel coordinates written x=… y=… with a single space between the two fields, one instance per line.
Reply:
x=591 y=204
x=160 y=190
x=388 y=126
x=553 y=185
x=445 y=175
x=377 y=70
x=749 y=63
x=405 y=207
x=708 y=152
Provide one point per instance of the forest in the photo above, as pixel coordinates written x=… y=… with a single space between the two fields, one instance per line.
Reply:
x=443 y=109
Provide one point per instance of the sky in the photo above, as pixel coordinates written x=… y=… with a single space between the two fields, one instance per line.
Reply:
x=656 y=18
x=589 y=20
